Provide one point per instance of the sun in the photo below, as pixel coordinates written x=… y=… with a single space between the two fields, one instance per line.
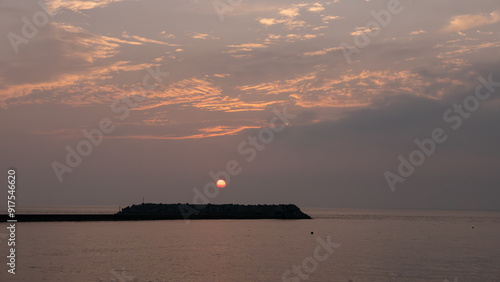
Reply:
x=221 y=183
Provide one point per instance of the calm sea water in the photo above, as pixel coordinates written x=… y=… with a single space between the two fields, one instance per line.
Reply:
x=375 y=245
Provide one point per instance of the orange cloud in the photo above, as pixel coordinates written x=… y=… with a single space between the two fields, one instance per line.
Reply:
x=77 y=5
x=322 y=52
x=202 y=94
x=290 y=12
x=146 y=40
x=75 y=87
x=352 y=89
x=288 y=17
x=205 y=133
x=465 y=22
x=316 y=7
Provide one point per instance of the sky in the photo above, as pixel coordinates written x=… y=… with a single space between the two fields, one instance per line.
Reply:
x=316 y=103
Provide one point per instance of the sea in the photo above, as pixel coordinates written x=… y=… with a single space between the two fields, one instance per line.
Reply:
x=336 y=245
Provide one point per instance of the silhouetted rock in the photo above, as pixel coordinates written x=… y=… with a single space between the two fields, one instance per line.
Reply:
x=209 y=211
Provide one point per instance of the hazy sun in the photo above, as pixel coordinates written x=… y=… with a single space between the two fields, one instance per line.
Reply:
x=221 y=183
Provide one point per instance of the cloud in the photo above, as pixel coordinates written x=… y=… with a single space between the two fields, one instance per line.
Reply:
x=350 y=89
x=200 y=93
x=167 y=35
x=291 y=37
x=67 y=56
x=322 y=51
x=288 y=17
x=465 y=22
x=146 y=40
x=290 y=12
x=78 y=5
x=417 y=32
x=78 y=88
x=316 y=7
x=327 y=19
x=454 y=49
x=269 y=21
x=320 y=27
x=361 y=30
x=215 y=131
x=197 y=35
x=245 y=48
x=87 y=45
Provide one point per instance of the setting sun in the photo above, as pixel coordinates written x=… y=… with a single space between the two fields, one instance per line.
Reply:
x=221 y=183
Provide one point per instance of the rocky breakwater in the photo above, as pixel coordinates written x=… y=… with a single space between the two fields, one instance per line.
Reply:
x=209 y=211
